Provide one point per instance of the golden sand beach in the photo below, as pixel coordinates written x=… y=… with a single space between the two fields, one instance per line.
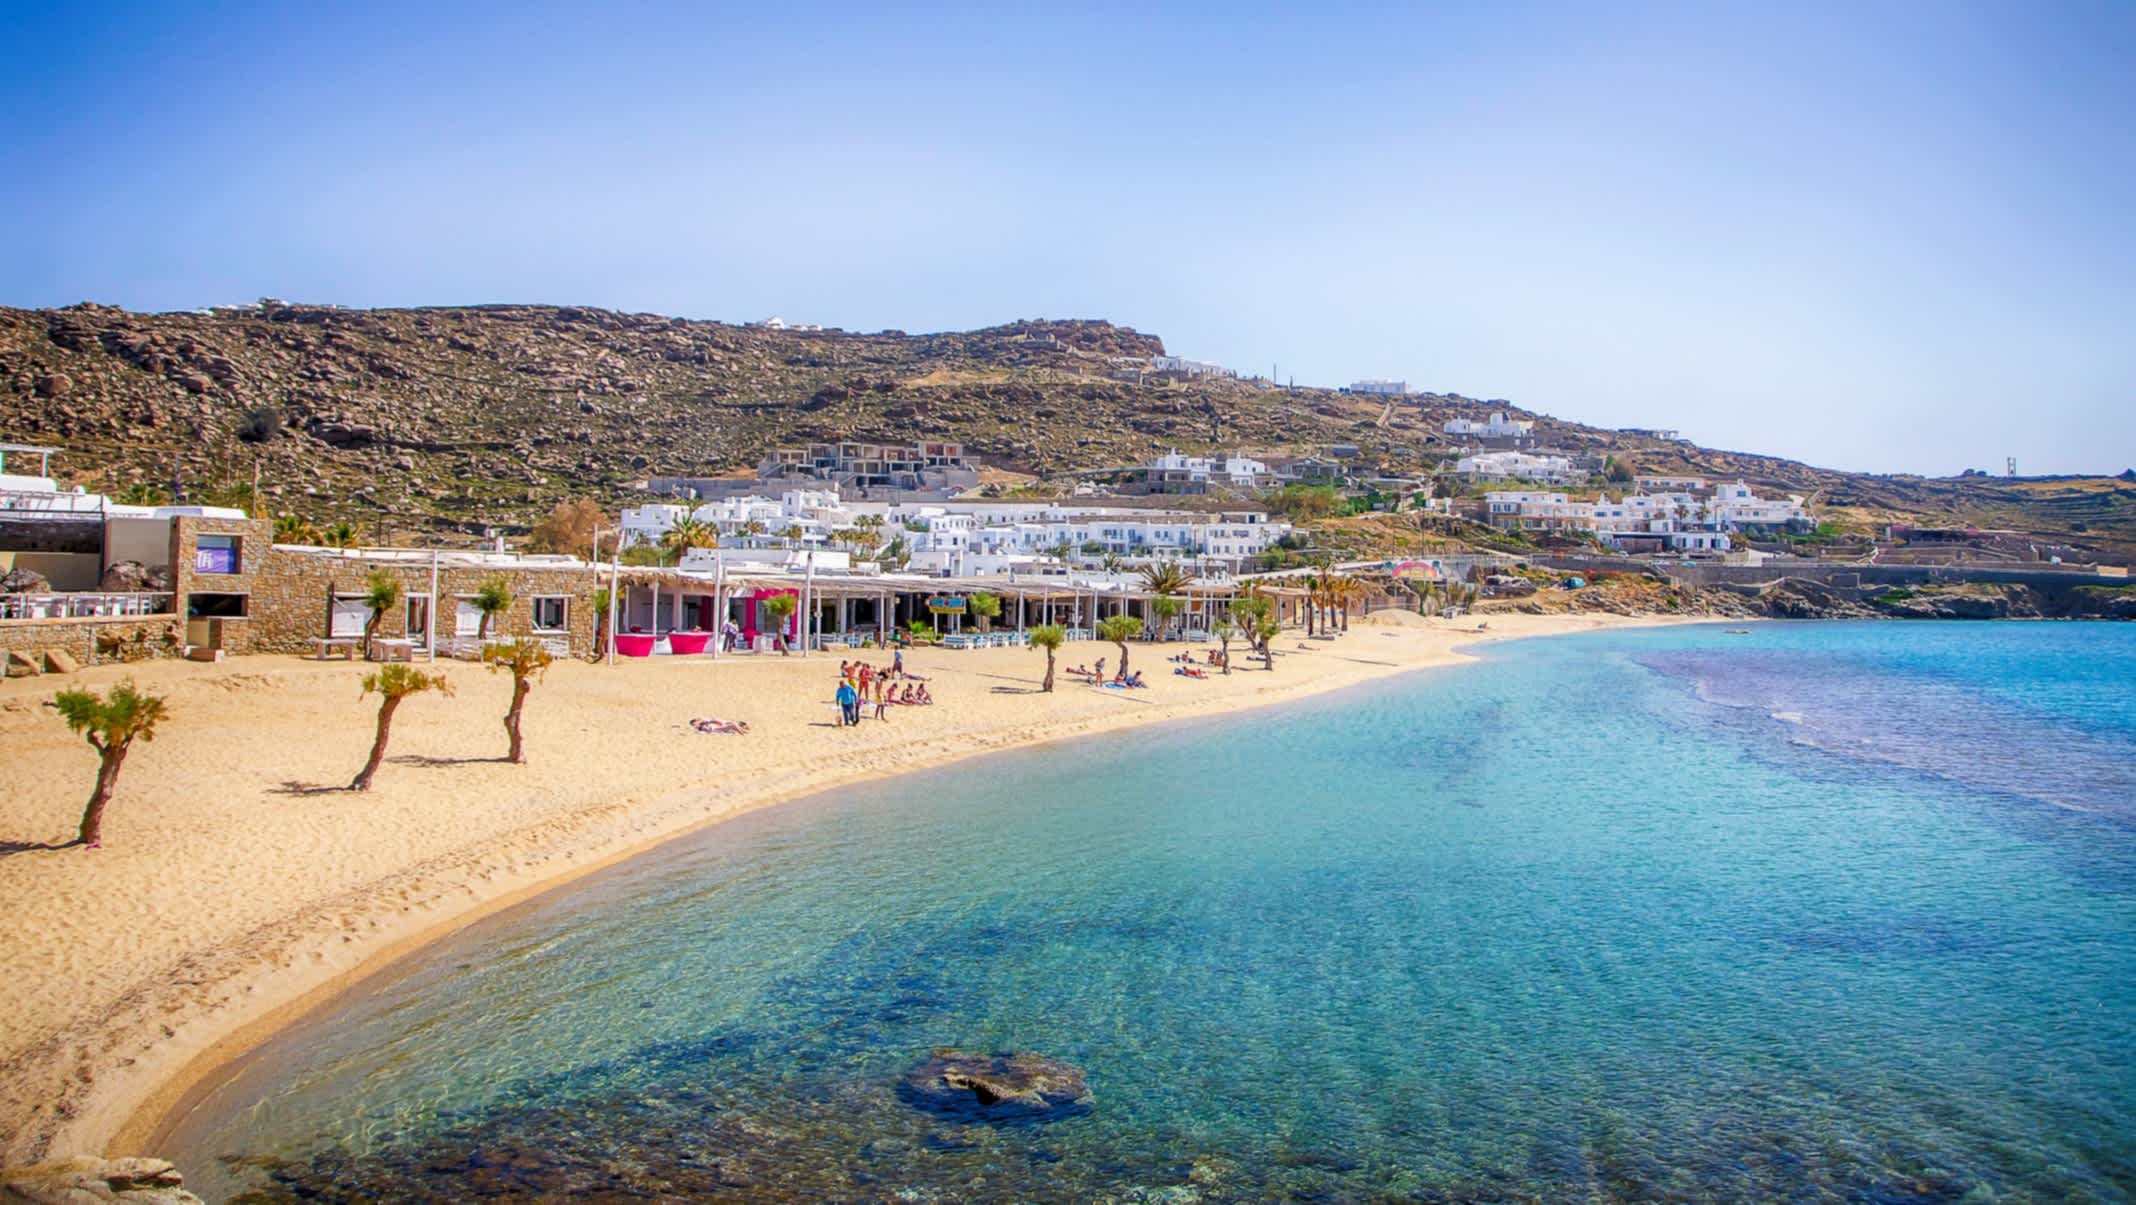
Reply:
x=239 y=886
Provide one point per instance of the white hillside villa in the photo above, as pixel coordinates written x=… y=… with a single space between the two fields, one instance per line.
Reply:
x=965 y=538
x=1515 y=466
x=1189 y=368
x=1677 y=522
x=1175 y=473
x=1498 y=426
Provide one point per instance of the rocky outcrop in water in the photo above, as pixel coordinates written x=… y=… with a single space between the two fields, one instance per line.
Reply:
x=997 y=1087
x=89 y=1180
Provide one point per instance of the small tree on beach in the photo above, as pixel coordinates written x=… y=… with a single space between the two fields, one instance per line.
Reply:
x=1224 y=631
x=393 y=683
x=985 y=608
x=601 y=598
x=381 y=593
x=1265 y=631
x=528 y=661
x=492 y=598
x=1050 y=637
x=1255 y=615
x=1166 y=608
x=778 y=609
x=1120 y=629
x=110 y=726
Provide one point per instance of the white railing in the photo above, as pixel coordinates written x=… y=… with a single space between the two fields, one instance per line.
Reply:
x=83 y=605
x=42 y=502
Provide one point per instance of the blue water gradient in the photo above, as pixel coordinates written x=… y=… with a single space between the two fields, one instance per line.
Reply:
x=1586 y=922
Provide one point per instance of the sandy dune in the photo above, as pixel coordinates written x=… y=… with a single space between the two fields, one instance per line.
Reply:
x=238 y=885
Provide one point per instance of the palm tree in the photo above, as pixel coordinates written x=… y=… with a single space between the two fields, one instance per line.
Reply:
x=110 y=726
x=1256 y=616
x=1224 y=631
x=340 y=535
x=381 y=593
x=985 y=608
x=1166 y=577
x=790 y=533
x=1120 y=629
x=601 y=602
x=1166 y=608
x=753 y=528
x=1061 y=551
x=1111 y=562
x=1344 y=590
x=393 y=683
x=1050 y=637
x=492 y=598
x=690 y=532
x=1265 y=631
x=528 y=661
x=294 y=529
x=778 y=609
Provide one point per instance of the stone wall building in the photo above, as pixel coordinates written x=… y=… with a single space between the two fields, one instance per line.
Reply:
x=240 y=592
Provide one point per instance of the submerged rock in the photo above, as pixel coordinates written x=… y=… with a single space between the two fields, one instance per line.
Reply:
x=1018 y=1086
x=86 y=1179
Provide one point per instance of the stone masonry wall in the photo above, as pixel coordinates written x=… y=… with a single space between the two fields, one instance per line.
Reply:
x=292 y=599
x=95 y=641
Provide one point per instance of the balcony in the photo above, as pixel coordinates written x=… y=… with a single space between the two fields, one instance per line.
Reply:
x=84 y=605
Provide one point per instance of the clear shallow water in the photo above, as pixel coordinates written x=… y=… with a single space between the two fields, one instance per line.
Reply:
x=1584 y=923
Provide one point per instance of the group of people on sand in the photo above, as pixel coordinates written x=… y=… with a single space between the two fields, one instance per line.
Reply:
x=862 y=685
x=1096 y=677
x=1186 y=667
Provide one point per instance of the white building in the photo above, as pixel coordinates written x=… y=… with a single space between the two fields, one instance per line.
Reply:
x=1498 y=426
x=1189 y=368
x=1515 y=466
x=1177 y=473
x=1739 y=506
x=1678 y=522
x=1375 y=385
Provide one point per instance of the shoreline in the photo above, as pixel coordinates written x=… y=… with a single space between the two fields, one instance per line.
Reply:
x=113 y=1076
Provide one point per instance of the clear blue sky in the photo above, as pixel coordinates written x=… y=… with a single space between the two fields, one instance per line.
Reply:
x=1877 y=236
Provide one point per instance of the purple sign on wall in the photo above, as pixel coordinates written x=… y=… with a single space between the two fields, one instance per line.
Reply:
x=211 y=559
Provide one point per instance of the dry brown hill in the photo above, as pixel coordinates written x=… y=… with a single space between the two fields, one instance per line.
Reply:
x=457 y=418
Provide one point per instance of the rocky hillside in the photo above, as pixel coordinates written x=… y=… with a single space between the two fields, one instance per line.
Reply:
x=455 y=419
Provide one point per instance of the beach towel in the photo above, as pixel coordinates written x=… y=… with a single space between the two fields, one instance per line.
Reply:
x=709 y=727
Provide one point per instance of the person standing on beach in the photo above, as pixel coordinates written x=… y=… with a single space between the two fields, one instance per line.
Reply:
x=848 y=704
x=897 y=663
x=882 y=710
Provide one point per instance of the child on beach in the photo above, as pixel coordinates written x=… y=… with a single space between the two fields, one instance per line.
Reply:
x=881 y=706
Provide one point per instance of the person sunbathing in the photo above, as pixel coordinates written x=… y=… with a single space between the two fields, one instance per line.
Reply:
x=1133 y=680
x=925 y=698
x=720 y=727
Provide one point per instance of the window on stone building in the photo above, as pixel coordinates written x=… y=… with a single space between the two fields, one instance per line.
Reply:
x=215 y=554
x=214 y=606
x=550 y=613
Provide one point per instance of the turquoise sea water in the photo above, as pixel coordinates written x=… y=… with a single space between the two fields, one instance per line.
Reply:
x=1823 y=912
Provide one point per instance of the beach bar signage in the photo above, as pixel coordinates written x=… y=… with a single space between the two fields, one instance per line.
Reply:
x=946 y=606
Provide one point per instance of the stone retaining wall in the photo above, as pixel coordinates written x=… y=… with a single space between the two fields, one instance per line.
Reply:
x=95 y=640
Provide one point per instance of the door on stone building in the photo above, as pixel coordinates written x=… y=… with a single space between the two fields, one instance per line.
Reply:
x=419 y=619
